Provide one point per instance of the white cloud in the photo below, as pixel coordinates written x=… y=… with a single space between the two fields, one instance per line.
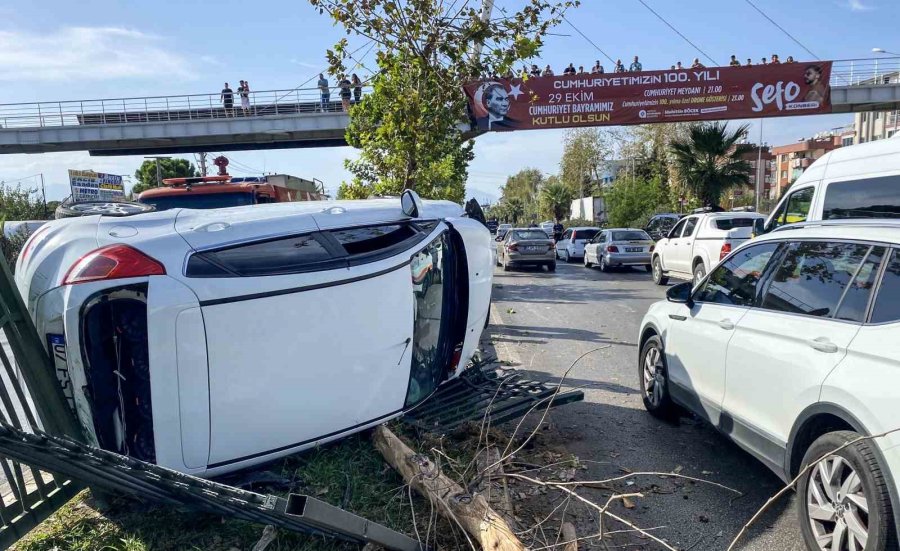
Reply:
x=856 y=5
x=98 y=53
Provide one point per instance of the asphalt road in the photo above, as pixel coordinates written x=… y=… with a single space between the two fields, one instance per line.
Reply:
x=541 y=322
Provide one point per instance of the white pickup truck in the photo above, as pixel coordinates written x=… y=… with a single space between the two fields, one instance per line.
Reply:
x=698 y=242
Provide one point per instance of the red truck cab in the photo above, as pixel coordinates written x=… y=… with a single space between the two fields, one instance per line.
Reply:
x=215 y=192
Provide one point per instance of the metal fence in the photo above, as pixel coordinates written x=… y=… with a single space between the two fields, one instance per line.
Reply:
x=30 y=399
x=866 y=72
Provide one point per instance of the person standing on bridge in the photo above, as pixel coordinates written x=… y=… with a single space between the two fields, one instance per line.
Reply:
x=749 y=62
x=324 y=91
x=227 y=98
x=635 y=66
x=734 y=62
x=244 y=92
x=357 y=88
x=344 y=85
x=598 y=69
x=619 y=67
x=548 y=72
x=696 y=64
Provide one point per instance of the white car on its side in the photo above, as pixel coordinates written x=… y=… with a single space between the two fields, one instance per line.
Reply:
x=699 y=241
x=790 y=348
x=212 y=340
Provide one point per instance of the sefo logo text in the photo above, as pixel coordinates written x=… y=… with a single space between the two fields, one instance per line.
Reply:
x=780 y=94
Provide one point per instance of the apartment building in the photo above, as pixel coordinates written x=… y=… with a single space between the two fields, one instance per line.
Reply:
x=792 y=159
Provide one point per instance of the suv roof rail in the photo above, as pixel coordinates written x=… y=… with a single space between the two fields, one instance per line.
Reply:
x=844 y=223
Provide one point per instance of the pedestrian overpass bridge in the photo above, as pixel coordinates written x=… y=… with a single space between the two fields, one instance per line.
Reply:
x=279 y=119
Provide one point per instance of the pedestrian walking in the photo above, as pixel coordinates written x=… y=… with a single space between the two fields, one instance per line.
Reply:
x=324 y=91
x=244 y=92
x=635 y=66
x=734 y=62
x=227 y=98
x=619 y=67
x=344 y=85
x=357 y=88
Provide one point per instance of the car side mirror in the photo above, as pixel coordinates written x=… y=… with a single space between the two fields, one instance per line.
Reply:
x=411 y=203
x=498 y=238
x=681 y=294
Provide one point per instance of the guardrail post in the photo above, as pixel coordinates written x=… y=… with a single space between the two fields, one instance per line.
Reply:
x=851 y=73
x=190 y=115
x=124 y=111
x=276 y=103
x=146 y=111
x=168 y=113
x=212 y=113
x=40 y=117
x=103 y=110
x=82 y=110
x=61 y=123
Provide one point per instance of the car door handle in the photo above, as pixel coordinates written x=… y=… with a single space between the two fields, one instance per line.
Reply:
x=677 y=318
x=822 y=344
x=726 y=324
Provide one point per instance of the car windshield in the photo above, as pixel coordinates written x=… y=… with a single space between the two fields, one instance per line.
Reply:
x=629 y=236
x=731 y=223
x=584 y=235
x=527 y=235
x=200 y=201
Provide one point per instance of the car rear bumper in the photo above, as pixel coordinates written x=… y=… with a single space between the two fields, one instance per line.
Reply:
x=628 y=259
x=519 y=259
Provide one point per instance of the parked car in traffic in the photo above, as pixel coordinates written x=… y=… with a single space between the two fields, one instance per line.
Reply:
x=526 y=247
x=547 y=226
x=571 y=246
x=616 y=247
x=212 y=340
x=660 y=225
x=789 y=347
x=698 y=242
x=860 y=181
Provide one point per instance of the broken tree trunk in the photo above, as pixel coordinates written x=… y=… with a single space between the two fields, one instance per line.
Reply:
x=472 y=512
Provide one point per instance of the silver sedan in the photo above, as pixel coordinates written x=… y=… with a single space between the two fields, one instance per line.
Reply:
x=619 y=247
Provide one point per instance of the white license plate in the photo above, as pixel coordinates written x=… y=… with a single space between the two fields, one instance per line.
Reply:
x=57 y=345
x=634 y=249
x=534 y=249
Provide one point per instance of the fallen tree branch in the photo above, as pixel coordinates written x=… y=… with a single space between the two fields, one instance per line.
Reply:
x=471 y=512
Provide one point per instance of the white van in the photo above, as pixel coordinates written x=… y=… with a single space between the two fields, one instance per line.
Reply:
x=860 y=181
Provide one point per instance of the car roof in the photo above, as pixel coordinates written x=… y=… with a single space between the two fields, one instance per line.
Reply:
x=585 y=228
x=862 y=230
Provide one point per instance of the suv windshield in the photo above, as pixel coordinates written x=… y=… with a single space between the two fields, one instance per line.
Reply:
x=529 y=235
x=629 y=236
x=731 y=223
x=200 y=200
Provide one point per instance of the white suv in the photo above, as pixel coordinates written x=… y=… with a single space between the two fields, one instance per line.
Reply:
x=790 y=347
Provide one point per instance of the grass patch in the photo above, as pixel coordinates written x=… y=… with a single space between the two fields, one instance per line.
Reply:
x=350 y=474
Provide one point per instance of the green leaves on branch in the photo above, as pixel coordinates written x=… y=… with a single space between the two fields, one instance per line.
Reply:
x=408 y=129
x=168 y=168
x=708 y=160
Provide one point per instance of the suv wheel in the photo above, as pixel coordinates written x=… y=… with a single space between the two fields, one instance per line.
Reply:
x=106 y=208
x=653 y=377
x=844 y=501
x=656 y=268
x=699 y=272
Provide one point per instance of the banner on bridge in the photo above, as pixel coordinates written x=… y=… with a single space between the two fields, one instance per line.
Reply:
x=787 y=89
x=88 y=185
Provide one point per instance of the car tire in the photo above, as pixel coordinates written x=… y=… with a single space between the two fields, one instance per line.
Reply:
x=105 y=208
x=699 y=272
x=861 y=477
x=649 y=268
x=505 y=266
x=586 y=263
x=652 y=371
x=551 y=267
x=604 y=267
x=656 y=269
x=567 y=259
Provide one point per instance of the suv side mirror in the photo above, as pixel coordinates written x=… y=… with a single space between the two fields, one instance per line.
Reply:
x=410 y=203
x=681 y=294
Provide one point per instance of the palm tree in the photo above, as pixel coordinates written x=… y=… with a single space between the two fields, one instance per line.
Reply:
x=708 y=160
x=556 y=200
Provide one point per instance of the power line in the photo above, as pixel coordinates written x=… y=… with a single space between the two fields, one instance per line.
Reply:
x=611 y=60
x=663 y=19
x=782 y=29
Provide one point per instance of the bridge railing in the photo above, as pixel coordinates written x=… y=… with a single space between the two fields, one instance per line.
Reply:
x=167 y=108
x=866 y=72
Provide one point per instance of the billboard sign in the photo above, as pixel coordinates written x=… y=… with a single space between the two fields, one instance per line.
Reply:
x=569 y=101
x=88 y=185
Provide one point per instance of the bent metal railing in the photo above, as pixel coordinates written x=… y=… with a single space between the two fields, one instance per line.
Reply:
x=297 y=101
x=169 y=108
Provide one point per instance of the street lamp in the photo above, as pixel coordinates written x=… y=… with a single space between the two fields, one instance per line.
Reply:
x=883 y=51
x=895 y=114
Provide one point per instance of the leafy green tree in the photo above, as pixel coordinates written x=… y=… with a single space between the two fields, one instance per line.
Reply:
x=408 y=128
x=708 y=161
x=168 y=168
x=586 y=152
x=631 y=202
x=556 y=200
x=18 y=203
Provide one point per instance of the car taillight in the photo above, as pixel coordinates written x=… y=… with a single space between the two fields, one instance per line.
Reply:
x=726 y=250
x=652 y=247
x=112 y=262
x=512 y=247
x=612 y=249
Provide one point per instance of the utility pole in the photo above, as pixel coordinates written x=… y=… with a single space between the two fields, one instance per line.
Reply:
x=158 y=174
x=44 y=195
x=487 y=7
x=759 y=168
x=202 y=162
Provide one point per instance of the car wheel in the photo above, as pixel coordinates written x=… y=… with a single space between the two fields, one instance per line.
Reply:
x=551 y=267
x=699 y=272
x=505 y=266
x=586 y=263
x=106 y=208
x=656 y=269
x=649 y=268
x=604 y=267
x=654 y=379
x=844 y=499
x=566 y=257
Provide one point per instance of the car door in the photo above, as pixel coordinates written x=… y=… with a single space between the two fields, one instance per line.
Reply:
x=668 y=246
x=346 y=333
x=684 y=246
x=698 y=336
x=811 y=307
x=563 y=243
x=594 y=249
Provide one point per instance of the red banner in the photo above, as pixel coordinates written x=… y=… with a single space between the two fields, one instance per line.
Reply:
x=713 y=93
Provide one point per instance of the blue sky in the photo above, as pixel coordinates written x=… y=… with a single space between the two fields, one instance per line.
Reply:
x=63 y=50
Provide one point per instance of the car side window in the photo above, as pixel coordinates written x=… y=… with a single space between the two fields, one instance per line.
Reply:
x=735 y=281
x=813 y=276
x=296 y=254
x=867 y=198
x=887 y=302
x=689 y=226
x=676 y=231
x=567 y=235
x=855 y=303
x=795 y=209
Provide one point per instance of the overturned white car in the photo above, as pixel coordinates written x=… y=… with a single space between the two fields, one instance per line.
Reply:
x=211 y=340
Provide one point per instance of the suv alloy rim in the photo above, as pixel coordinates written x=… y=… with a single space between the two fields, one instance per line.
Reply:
x=837 y=506
x=656 y=269
x=654 y=379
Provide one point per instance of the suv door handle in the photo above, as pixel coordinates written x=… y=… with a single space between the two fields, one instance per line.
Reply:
x=822 y=344
x=726 y=324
